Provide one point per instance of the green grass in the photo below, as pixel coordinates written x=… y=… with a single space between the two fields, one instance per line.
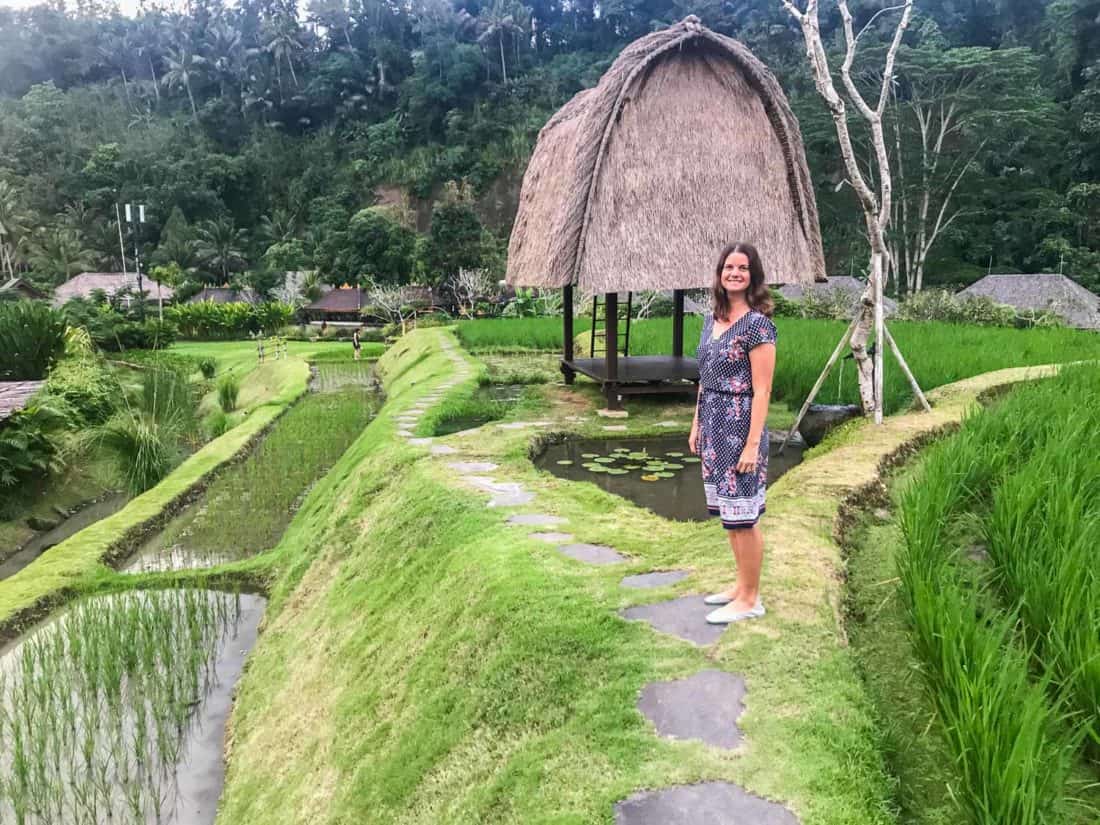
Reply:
x=937 y=353
x=1024 y=476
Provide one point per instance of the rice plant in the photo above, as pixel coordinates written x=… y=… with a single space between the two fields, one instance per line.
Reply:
x=515 y=333
x=247 y=508
x=96 y=708
x=1011 y=657
x=229 y=388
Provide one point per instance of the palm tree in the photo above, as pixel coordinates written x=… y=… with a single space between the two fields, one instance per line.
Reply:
x=283 y=44
x=498 y=22
x=220 y=245
x=59 y=253
x=147 y=45
x=282 y=225
x=13 y=228
x=184 y=66
x=225 y=46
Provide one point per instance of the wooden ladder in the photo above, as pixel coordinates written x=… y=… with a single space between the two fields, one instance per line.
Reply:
x=599 y=327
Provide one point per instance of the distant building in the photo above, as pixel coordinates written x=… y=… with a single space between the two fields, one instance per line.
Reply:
x=15 y=395
x=1047 y=292
x=111 y=283
x=22 y=290
x=225 y=295
x=340 y=305
x=850 y=286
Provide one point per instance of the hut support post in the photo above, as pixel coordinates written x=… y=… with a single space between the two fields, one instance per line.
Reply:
x=677 y=323
x=905 y=368
x=567 y=333
x=821 y=380
x=611 y=349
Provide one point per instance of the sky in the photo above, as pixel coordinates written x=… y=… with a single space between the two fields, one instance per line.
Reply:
x=127 y=7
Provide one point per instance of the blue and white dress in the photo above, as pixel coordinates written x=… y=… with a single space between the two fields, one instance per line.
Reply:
x=725 y=411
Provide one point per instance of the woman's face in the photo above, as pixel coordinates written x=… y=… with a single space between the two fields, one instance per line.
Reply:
x=735 y=273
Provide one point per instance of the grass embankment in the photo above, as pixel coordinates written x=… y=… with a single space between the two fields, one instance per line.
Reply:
x=77 y=559
x=423 y=661
x=1001 y=595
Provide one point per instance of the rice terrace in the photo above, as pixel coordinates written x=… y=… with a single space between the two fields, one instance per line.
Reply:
x=587 y=414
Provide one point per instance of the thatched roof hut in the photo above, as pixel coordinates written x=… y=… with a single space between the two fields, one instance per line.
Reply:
x=687 y=143
x=1046 y=292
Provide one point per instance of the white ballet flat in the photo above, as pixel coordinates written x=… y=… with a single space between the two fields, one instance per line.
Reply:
x=727 y=615
x=717 y=599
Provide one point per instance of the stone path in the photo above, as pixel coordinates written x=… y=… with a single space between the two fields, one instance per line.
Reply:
x=704 y=706
x=720 y=803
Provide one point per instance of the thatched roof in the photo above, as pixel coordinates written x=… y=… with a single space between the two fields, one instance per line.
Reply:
x=1046 y=292
x=687 y=143
x=15 y=395
x=84 y=284
x=225 y=295
x=850 y=287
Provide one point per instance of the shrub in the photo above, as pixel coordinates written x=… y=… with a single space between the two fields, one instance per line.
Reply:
x=27 y=445
x=210 y=320
x=208 y=366
x=167 y=396
x=228 y=389
x=87 y=386
x=152 y=334
x=143 y=451
x=939 y=305
x=32 y=338
x=216 y=424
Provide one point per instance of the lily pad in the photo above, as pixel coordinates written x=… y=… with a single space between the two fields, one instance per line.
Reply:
x=638 y=456
x=606 y=459
x=632 y=466
x=650 y=478
x=671 y=466
x=664 y=475
x=614 y=471
x=590 y=455
x=598 y=468
x=675 y=455
x=565 y=462
x=692 y=459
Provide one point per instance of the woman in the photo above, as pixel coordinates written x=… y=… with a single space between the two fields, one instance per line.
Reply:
x=736 y=361
x=355 y=345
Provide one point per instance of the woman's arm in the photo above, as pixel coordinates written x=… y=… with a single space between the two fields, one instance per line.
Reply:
x=762 y=359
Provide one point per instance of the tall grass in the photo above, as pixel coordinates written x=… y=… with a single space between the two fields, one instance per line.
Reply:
x=229 y=387
x=516 y=333
x=143 y=451
x=95 y=708
x=1027 y=475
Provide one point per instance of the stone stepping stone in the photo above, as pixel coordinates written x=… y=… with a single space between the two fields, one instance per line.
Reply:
x=421 y=442
x=473 y=466
x=505 y=493
x=618 y=428
x=533 y=519
x=705 y=706
x=669 y=424
x=405 y=433
x=708 y=803
x=443 y=449
x=515 y=425
x=658 y=579
x=592 y=553
x=684 y=618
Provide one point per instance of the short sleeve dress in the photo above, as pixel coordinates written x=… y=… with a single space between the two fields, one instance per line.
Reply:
x=725 y=408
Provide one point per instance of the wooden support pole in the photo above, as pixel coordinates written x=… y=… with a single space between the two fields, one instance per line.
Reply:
x=905 y=368
x=821 y=380
x=611 y=348
x=677 y=323
x=567 y=332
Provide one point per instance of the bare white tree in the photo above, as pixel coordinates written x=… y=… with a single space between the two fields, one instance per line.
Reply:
x=469 y=286
x=396 y=304
x=877 y=207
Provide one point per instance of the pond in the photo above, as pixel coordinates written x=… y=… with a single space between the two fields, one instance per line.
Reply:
x=115 y=710
x=656 y=473
x=248 y=506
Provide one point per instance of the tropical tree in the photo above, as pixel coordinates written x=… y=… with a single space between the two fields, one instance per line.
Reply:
x=58 y=253
x=498 y=22
x=184 y=68
x=12 y=228
x=283 y=44
x=220 y=245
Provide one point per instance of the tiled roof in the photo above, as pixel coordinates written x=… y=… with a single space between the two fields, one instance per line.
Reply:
x=84 y=284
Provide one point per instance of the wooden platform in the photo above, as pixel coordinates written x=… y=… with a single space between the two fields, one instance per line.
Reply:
x=641 y=373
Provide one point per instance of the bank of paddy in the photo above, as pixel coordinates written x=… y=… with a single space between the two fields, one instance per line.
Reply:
x=424 y=661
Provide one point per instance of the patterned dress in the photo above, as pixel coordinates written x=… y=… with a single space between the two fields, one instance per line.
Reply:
x=725 y=409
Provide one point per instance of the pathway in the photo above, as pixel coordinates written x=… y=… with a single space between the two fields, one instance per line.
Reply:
x=703 y=707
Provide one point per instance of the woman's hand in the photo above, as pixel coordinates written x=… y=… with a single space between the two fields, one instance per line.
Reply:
x=747 y=462
x=693 y=439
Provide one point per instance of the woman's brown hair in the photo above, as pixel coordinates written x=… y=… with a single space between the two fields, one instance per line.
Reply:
x=758 y=296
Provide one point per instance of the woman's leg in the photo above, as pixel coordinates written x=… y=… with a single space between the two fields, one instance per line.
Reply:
x=735 y=592
x=750 y=557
